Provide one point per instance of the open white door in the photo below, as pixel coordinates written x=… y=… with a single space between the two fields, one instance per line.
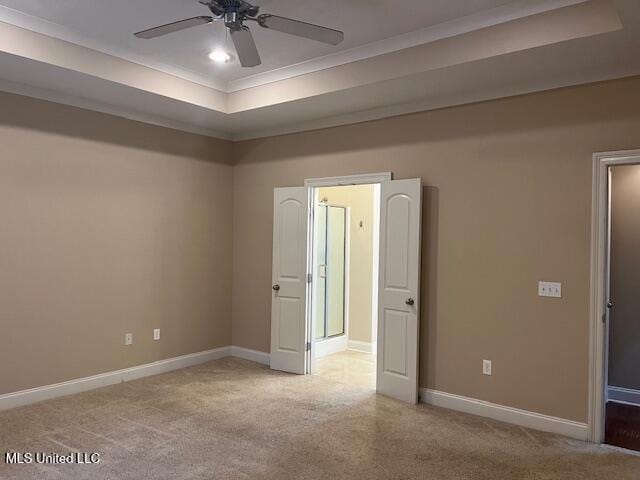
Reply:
x=399 y=289
x=289 y=301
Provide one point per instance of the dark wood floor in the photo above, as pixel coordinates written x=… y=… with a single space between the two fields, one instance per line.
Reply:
x=622 y=427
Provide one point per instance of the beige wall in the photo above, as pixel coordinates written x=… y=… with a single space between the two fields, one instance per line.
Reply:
x=507 y=203
x=624 y=339
x=359 y=199
x=107 y=226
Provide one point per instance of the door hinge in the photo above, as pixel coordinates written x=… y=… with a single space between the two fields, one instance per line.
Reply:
x=309 y=277
x=308 y=347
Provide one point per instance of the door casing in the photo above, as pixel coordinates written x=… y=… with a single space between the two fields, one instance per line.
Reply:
x=599 y=285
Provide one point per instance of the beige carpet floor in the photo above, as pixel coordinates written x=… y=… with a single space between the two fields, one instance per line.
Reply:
x=233 y=419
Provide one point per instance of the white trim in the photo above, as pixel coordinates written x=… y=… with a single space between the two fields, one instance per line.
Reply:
x=358 y=346
x=312 y=266
x=511 y=415
x=252 y=355
x=47 y=392
x=331 y=345
x=597 y=338
x=621 y=450
x=375 y=271
x=623 y=395
x=359 y=179
x=38 y=394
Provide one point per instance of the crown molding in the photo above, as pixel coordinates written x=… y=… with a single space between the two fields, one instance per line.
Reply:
x=505 y=13
x=399 y=110
x=97 y=106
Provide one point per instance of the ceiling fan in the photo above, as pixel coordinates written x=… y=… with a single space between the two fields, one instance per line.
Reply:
x=235 y=13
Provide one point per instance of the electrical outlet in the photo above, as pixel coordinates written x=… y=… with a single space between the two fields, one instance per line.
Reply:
x=486 y=367
x=128 y=339
x=550 y=289
x=156 y=334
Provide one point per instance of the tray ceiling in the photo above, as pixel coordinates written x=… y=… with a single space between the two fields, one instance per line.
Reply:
x=432 y=54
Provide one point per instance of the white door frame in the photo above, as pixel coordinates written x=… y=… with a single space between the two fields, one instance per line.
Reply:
x=599 y=254
x=313 y=184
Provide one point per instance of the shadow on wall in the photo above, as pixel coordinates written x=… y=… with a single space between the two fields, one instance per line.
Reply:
x=429 y=288
x=33 y=114
x=604 y=101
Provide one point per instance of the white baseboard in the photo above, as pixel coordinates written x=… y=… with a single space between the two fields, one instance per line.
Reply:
x=329 y=346
x=537 y=421
x=455 y=402
x=624 y=395
x=253 y=355
x=38 y=394
x=47 y=392
x=365 y=347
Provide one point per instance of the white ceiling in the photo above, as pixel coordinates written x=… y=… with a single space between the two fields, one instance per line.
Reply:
x=108 y=25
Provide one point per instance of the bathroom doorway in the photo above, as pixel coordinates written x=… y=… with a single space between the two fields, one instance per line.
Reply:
x=344 y=295
x=391 y=290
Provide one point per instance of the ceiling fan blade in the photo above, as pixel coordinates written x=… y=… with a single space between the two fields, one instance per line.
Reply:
x=245 y=47
x=301 y=29
x=173 y=27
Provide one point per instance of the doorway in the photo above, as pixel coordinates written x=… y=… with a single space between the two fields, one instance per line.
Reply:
x=396 y=276
x=344 y=293
x=622 y=412
x=615 y=355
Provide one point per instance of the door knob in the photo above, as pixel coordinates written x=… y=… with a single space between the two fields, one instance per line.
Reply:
x=410 y=301
x=276 y=287
x=610 y=305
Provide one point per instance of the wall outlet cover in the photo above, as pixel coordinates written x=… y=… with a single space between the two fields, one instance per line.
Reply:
x=128 y=339
x=156 y=334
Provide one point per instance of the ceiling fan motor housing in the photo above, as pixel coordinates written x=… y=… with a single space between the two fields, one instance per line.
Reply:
x=234 y=13
x=232 y=20
x=240 y=7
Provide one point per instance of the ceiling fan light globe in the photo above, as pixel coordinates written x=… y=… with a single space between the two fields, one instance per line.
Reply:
x=220 y=56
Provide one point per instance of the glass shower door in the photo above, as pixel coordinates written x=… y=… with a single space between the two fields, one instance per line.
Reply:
x=330 y=289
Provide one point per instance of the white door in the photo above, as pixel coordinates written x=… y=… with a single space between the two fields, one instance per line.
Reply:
x=289 y=287
x=399 y=289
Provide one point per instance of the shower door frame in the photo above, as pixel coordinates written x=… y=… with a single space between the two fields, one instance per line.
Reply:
x=346 y=265
x=344 y=336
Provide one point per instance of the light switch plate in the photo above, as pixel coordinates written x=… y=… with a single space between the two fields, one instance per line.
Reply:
x=486 y=367
x=550 y=289
x=128 y=339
